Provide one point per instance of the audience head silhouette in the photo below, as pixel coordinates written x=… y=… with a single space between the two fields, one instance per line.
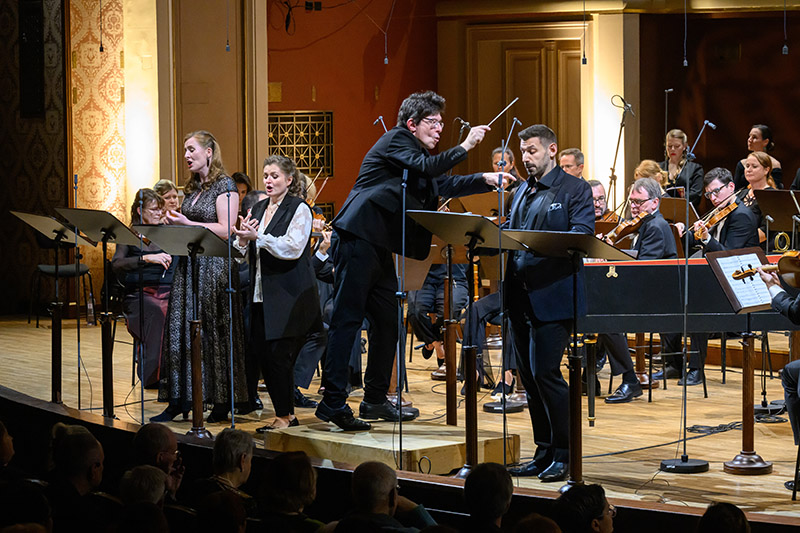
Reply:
x=77 y=457
x=721 y=517
x=143 y=484
x=155 y=445
x=290 y=483
x=487 y=492
x=584 y=509
x=374 y=487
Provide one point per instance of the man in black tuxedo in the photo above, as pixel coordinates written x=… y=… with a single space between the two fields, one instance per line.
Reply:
x=539 y=296
x=368 y=229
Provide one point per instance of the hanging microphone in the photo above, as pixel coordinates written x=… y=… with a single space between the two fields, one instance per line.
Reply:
x=380 y=117
x=710 y=124
x=668 y=90
x=517 y=122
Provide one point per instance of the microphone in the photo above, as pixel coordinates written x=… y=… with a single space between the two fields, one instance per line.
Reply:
x=668 y=90
x=769 y=219
x=380 y=117
x=627 y=106
x=464 y=124
x=517 y=122
x=710 y=124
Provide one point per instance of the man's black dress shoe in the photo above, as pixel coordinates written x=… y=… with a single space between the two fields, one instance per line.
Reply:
x=529 y=469
x=789 y=484
x=555 y=472
x=342 y=417
x=668 y=373
x=426 y=352
x=269 y=427
x=695 y=377
x=386 y=411
x=303 y=401
x=625 y=393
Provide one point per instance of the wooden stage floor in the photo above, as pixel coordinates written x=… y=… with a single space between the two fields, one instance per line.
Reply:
x=622 y=451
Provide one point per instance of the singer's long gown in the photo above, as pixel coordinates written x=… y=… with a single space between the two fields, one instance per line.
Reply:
x=176 y=383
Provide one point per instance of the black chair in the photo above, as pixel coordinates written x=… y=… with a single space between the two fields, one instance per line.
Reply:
x=65 y=271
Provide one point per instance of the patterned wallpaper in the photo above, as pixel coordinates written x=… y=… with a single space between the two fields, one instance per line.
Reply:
x=33 y=164
x=98 y=122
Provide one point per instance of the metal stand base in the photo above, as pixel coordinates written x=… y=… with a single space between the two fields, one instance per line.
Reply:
x=464 y=472
x=684 y=465
x=748 y=464
x=200 y=433
x=497 y=407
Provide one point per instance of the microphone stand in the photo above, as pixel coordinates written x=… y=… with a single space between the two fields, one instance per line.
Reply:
x=229 y=290
x=141 y=351
x=77 y=293
x=612 y=183
x=501 y=255
x=401 y=297
x=690 y=156
x=685 y=465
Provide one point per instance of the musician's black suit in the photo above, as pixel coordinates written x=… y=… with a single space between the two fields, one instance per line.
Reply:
x=790 y=377
x=693 y=173
x=368 y=229
x=739 y=230
x=539 y=297
x=655 y=240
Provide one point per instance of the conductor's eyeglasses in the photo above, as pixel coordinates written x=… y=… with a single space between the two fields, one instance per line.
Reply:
x=433 y=122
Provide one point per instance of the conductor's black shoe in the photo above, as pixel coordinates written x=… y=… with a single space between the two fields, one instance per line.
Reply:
x=625 y=393
x=694 y=377
x=529 y=469
x=557 y=471
x=386 y=411
x=342 y=417
x=303 y=401
x=668 y=373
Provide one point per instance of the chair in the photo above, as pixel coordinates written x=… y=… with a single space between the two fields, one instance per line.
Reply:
x=180 y=518
x=65 y=271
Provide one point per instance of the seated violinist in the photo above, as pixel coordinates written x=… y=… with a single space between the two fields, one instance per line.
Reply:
x=731 y=226
x=737 y=229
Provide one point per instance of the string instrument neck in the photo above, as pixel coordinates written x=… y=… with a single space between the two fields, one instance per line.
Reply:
x=626 y=228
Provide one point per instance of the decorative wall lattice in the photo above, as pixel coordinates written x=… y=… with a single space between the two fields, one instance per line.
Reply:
x=304 y=136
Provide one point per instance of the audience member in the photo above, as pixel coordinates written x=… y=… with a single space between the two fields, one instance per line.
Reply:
x=23 y=502
x=584 y=509
x=143 y=484
x=721 y=517
x=155 y=445
x=379 y=507
x=233 y=456
x=7 y=472
x=221 y=512
x=78 y=469
x=289 y=486
x=487 y=493
x=536 y=523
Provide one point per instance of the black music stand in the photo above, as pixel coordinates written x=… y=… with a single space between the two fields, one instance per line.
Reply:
x=576 y=247
x=192 y=241
x=58 y=233
x=103 y=227
x=782 y=206
x=472 y=231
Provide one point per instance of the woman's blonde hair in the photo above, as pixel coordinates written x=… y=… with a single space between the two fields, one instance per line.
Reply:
x=650 y=169
x=216 y=169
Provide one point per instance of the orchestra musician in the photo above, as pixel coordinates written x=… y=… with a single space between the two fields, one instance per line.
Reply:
x=571 y=160
x=539 y=297
x=757 y=172
x=601 y=211
x=368 y=229
x=682 y=173
x=167 y=190
x=789 y=307
x=759 y=139
x=738 y=229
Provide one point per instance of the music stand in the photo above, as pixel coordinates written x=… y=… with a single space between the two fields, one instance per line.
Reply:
x=103 y=227
x=576 y=247
x=472 y=231
x=481 y=204
x=783 y=206
x=192 y=241
x=674 y=210
x=745 y=296
x=58 y=233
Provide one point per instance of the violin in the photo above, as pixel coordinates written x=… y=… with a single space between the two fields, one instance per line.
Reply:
x=715 y=217
x=788 y=267
x=626 y=228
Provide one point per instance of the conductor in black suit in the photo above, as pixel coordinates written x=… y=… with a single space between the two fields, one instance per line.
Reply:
x=539 y=296
x=368 y=229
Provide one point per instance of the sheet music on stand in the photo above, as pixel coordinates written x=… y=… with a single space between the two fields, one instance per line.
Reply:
x=745 y=295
